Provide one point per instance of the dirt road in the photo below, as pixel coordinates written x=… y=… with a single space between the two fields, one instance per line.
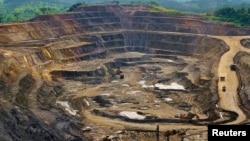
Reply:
x=229 y=98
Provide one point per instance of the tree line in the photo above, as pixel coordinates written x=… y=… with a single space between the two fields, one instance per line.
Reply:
x=16 y=10
x=240 y=16
x=21 y=10
x=27 y=11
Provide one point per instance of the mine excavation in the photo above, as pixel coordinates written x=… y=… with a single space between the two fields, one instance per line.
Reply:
x=121 y=73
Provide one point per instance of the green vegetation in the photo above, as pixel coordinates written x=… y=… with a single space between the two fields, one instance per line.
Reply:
x=156 y=8
x=239 y=16
x=74 y=6
x=21 y=10
x=16 y=10
x=201 y=6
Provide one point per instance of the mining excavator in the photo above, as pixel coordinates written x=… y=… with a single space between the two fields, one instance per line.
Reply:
x=189 y=115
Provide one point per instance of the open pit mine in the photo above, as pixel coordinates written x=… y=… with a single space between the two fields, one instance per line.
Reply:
x=121 y=73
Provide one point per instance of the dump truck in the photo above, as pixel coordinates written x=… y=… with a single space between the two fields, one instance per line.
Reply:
x=224 y=88
x=222 y=78
x=233 y=67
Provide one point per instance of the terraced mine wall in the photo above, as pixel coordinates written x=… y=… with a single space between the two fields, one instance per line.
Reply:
x=88 y=23
x=107 y=19
x=35 y=48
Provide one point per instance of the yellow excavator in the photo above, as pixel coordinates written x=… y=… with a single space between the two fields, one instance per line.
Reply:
x=189 y=115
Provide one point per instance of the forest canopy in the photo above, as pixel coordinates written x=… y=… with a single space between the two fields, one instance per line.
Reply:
x=14 y=10
x=239 y=16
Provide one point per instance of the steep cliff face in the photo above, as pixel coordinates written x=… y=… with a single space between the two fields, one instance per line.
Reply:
x=86 y=45
x=243 y=66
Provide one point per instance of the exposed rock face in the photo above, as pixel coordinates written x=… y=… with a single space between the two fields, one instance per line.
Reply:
x=245 y=43
x=20 y=124
x=243 y=66
x=86 y=45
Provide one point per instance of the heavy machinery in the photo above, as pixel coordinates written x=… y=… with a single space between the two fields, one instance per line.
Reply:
x=224 y=88
x=233 y=67
x=189 y=115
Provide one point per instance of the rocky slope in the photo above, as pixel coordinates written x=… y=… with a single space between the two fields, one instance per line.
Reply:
x=45 y=61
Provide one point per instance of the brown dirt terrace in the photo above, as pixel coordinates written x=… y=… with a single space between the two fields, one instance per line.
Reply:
x=118 y=71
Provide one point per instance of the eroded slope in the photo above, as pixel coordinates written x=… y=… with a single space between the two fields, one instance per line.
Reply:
x=99 y=61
